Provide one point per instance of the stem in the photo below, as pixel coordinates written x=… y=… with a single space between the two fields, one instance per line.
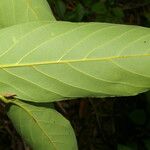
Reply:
x=4 y=100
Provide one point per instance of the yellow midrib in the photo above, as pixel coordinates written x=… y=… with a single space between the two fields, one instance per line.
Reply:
x=73 y=61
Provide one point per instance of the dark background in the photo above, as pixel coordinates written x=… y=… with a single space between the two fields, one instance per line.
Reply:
x=100 y=124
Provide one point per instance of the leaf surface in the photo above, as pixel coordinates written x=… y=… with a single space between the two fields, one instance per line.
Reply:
x=43 y=128
x=19 y=11
x=61 y=60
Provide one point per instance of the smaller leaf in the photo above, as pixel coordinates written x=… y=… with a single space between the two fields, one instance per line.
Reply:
x=42 y=127
x=20 y=11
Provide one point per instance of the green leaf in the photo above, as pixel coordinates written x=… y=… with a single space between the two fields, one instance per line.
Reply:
x=61 y=60
x=20 y=11
x=42 y=128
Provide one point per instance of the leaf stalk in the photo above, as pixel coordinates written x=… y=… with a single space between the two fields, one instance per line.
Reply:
x=4 y=100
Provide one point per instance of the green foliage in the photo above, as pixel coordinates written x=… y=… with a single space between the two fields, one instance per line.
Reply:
x=43 y=60
x=103 y=11
x=99 y=10
x=19 y=11
x=80 y=50
x=42 y=127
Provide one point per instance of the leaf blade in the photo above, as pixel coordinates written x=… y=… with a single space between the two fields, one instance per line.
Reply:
x=20 y=11
x=42 y=127
x=69 y=60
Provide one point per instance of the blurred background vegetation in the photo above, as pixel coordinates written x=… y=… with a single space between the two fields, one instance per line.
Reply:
x=100 y=124
x=112 y=11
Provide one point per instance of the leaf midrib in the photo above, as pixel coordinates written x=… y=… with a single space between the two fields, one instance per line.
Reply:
x=123 y=57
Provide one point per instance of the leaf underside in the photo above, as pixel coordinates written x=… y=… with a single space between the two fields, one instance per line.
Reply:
x=54 y=61
x=43 y=128
x=20 y=11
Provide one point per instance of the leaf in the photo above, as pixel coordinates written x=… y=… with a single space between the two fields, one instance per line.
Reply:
x=42 y=128
x=61 y=60
x=20 y=11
